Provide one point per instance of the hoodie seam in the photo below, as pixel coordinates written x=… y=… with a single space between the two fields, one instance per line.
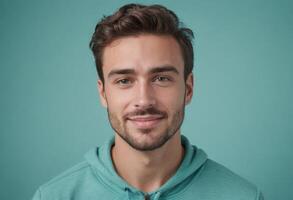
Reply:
x=107 y=186
x=258 y=195
x=197 y=173
x=40 y=193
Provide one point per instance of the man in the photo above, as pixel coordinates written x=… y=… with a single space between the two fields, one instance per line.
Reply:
x=144 y=60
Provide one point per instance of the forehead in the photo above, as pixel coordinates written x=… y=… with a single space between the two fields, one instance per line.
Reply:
x=142 y=52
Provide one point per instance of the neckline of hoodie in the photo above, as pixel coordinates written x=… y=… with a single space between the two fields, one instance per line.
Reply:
x=104 y=154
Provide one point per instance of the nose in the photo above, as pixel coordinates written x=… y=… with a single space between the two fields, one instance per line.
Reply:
x=145 y=96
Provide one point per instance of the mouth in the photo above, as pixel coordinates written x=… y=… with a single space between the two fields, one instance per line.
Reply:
x=146 y=121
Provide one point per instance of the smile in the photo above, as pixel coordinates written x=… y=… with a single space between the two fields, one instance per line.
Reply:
x=146 y=121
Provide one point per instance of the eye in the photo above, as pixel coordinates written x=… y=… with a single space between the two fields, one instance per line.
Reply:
x=124 y=82
x=162 y=79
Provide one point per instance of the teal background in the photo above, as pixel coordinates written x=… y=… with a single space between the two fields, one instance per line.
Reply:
x=241 y=113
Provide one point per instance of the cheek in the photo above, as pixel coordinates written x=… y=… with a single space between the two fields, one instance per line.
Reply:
x=172 y=99
x=117 y=100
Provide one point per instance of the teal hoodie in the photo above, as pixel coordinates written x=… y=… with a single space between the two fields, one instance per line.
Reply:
x=198 y=178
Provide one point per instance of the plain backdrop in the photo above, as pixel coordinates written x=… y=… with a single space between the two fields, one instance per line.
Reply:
x=241 y=113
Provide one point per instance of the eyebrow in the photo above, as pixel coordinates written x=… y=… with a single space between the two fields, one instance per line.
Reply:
x=152 y=71
x=121 y=71
x=163 y=69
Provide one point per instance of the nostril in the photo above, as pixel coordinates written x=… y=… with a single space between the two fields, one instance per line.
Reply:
x=144 y=106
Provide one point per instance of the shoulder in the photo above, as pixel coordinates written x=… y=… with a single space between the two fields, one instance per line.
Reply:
x=220 y=173
x=222 y=182
x=69 y=175
x=64 y=184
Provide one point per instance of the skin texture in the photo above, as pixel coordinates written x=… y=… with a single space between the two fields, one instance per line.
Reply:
x=145 y=95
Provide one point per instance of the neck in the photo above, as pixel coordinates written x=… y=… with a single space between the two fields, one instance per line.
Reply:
x=147 y=170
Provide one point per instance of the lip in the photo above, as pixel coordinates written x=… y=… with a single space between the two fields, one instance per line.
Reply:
x=146 y=122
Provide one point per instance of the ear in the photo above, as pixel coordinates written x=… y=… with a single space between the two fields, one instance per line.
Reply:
x=102 y=94
x=189 y=88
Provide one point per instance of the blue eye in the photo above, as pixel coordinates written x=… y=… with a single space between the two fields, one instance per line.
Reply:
x=123 y=81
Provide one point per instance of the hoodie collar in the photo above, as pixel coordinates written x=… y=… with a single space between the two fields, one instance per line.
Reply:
x=101 y=163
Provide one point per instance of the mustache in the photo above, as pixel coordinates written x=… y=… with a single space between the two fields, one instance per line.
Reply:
x=148 y=111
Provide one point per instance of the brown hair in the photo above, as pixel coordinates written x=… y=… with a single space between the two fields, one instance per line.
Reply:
x=135 y=19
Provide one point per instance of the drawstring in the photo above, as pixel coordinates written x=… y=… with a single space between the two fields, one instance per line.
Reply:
x=157 y=195
x=128 y=193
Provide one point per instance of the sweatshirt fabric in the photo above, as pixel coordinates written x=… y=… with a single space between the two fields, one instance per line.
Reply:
x=197 y=178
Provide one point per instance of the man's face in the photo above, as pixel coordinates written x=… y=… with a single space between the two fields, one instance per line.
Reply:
x=144 y=89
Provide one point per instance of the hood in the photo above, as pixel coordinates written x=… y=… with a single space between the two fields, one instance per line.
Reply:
x=102 y=166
